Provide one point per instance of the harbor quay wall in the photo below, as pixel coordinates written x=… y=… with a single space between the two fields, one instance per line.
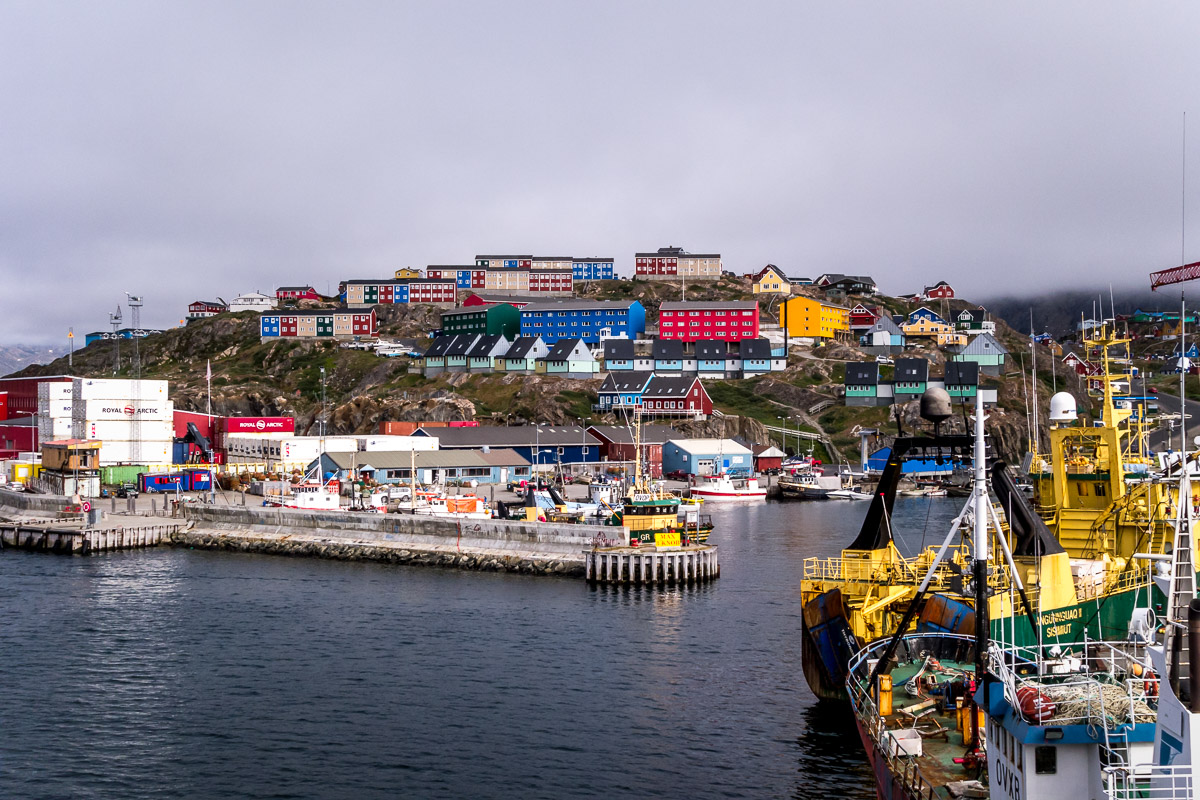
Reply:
x=42 y=504
x=498 y=545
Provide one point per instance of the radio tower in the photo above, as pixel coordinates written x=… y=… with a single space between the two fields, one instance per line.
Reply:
x=135 y=427
x=115 y=321
x=135 y=310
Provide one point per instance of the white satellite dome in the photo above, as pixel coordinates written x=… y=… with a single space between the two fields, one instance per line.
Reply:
x=1062 y=407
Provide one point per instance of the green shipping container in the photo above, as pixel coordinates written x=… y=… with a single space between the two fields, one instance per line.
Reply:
x=115 y=476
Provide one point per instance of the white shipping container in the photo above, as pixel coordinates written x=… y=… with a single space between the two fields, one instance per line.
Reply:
x=114 y=410
x=118 y=389
x=51 y=429
x=56 y=408
x=399 y=443
x=125 y=430
x=149 y=453
x=55 y=390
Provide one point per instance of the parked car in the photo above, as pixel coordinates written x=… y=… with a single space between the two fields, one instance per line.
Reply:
x=127 y=490
x=884 y=360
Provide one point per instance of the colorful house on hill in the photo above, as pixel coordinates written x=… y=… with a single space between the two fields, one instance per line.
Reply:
x=296 y=293
x=974 y=320
x=711 y=357
x=523 y=354
x=336 y=324
x=668 y=356
x=837 y=283
x=448 y=354
x=885 y=335
x=911 y=378
x=985 y=351
x=771 y=280
x=669 y=263
x=1080 y=365
x=939 y=291
x=623 y=390
x=205 y=308
x=483 y=354
x=465 y=276
x=757 y=357
x=862 y=384
x=677 y=396
x=862 y=317
x=369 y=292
x=499 y=319
x=961 y=380
x=619 y=355
x=408 y=273
x=592 y=269
x=569 y=358
x=806 y=317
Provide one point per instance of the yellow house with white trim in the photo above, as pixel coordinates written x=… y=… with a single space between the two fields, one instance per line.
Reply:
x=407 y=273
x=770 y=280
x=806 y=316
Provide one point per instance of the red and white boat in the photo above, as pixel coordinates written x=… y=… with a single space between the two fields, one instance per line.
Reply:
x=722 y=488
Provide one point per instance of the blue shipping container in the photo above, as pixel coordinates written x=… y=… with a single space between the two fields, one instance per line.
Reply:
x=180 y=452
x=163 y=483
x=199 y=480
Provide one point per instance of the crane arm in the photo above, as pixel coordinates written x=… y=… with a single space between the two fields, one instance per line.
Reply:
x=1166 y=277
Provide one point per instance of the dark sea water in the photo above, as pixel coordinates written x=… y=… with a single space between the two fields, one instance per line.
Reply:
x=177 y=673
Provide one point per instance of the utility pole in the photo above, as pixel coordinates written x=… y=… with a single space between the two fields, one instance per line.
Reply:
x=71 y=355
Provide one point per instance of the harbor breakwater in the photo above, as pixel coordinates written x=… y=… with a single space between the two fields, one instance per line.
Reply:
x=497 y=545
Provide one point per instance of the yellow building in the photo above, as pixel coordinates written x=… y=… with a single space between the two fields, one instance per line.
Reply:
x=770 y=280
x=806 y=316
x=941 y=333
x=408 y=273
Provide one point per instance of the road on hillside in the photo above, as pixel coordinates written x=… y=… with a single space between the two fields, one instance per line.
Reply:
x=1168 y=434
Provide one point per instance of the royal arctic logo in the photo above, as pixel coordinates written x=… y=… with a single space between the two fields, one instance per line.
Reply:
x=129 y=411
x=261 y=424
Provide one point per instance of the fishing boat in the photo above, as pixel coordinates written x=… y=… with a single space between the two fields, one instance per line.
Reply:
x=723 y=488
x=438 y=504
x=313 y=495
x=849 y=493
x=1097 y=506
x=808 y=485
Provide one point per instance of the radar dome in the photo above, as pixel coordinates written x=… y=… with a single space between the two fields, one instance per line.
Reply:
x=935 y=405
x=1062 y=407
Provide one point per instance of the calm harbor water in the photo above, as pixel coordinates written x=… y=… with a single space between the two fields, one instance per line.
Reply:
x=176 y=673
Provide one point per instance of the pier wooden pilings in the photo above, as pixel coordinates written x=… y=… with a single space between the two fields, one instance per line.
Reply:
x=646 y=565
x=65 y=538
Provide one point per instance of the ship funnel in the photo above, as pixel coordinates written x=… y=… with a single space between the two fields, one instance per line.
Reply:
x=1062 y=407
x=935 y=405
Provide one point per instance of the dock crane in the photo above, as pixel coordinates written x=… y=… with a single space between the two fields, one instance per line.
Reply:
x=1166 y=277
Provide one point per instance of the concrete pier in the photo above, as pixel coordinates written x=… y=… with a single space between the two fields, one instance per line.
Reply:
x=646 y=565
x=63 y=537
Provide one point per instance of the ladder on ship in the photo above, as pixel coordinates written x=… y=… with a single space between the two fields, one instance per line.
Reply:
x=1182 y=592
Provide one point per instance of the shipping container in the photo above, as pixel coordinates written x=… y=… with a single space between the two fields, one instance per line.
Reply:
x=181 y=452
x=163 y=482
x=150 y=453
x=118 y=389
x=237 y=426
x=57 y=390
x=397 y=428
x=115 y=476
x=118 y=411
x=126 y=430
x=65 y=483
x=199 y=480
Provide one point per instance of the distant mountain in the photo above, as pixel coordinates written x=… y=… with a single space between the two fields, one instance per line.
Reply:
x=18 y=356
x=1059 y=312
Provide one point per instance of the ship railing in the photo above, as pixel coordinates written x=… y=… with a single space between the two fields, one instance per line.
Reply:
x=893 y=571
x=1080 y=681
x=1152 y=782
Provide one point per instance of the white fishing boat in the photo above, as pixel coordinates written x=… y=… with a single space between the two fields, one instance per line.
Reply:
x=314 y=496
x=849 y=493
x=722 y=488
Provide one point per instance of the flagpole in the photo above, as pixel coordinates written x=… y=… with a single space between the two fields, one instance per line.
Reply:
x=208 y=376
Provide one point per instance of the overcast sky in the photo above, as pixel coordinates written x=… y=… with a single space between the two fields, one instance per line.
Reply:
x=192 y=150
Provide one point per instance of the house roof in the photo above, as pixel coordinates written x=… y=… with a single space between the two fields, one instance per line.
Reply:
x=984 y=345
x=667 y=349
x=768 y=451
x=886 y=323
x=711 y=349
x=962 y=373
x=862 y=373
x=663 y=386
x=832 y=278
x=770 y=268
x=511 y=299
x=487 y=346
x=974 y=314
x=626 y=381
x=510 y=258
x=717 y=305
x=618 y=349
x=755 y=348
x=514 y=436
x=482 y=309
x=428 y=459
x=217 y=303
x=456 y=345
x=296 y=289
x=521 y=347
x=621 y=434
x=679 y=252
x=563 y=349
x=579 y=305
x=912 y=369
x=581 y=259
x=706 y=446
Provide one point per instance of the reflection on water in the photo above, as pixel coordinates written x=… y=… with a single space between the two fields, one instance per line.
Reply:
x=171 y=673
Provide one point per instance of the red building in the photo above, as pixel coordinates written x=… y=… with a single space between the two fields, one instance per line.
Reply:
x=431 y=290
x=677 y=396
x=616 y=444
x=18 y=408
x=768 y=459
x=655 y=264
x=551 y=281
x=728 y=321
x=464 y=277
x=296 y=293
x=205 y=308
x=863 y=316
x=939 y=291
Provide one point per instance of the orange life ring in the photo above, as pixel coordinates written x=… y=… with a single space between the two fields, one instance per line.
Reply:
x=1150 y=686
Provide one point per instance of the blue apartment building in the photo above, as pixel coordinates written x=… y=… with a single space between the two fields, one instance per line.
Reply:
x=592 y=269
x=583 y=319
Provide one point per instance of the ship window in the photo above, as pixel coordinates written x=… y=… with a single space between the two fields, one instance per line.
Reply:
x=1081 y=487
x=1045 y=759
x=1101 y=490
